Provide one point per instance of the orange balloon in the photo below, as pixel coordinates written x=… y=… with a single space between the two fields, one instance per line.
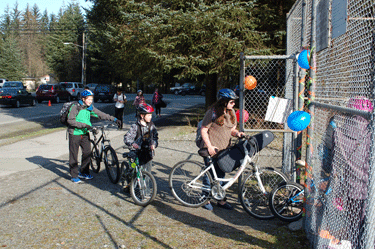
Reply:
x=250 y=82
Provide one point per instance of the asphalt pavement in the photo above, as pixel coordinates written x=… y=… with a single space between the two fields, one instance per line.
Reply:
x=54 y=145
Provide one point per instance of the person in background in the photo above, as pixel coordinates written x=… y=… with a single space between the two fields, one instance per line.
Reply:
x=120 y=100
x=139 y=99
x=156 y=102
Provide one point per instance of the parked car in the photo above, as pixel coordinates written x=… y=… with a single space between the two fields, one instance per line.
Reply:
x=92 y=86
x=176 y=89
x=14 y=84
x=74 y=88
x=16 y=97
x=2 y=81
x=53 y=92
x=193 y=90
x=104 y=92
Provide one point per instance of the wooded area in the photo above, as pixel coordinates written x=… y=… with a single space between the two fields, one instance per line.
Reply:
x=150 y=42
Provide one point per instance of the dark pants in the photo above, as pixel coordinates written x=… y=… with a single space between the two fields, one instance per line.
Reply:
x=157 y=109
x=76 y=141
x=219 y=172
x=119 y=113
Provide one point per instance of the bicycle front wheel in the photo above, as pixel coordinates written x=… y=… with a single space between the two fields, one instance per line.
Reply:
x=112 y=165
x=95 y=157
x=253 y=199
x=143 y=189
x=187 y=187
x=286 y=201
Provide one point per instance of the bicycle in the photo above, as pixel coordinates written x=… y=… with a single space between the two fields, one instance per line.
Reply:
x=106 y=153
x=286 y=200
x=142 y=184
x=187 y=185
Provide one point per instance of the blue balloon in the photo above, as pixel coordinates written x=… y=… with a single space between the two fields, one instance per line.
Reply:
x=303 y=59
x=298 y=120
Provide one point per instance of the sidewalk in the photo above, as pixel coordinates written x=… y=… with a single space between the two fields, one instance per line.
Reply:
x=41 y=208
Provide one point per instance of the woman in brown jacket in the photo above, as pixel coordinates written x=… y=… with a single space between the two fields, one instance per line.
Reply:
x=218 y=126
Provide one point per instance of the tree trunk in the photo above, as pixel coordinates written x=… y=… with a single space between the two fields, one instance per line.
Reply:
x=211 y=89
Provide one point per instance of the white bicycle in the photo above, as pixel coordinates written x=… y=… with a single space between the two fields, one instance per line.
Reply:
x=186 y=180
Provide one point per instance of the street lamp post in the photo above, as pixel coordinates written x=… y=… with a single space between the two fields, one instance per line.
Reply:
x=83 y=78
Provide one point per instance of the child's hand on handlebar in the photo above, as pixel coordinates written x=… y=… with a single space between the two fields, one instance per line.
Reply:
x=212 y=150
x=241 y=134
x=135 y=146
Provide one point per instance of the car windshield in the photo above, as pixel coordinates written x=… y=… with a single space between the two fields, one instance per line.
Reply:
x=11 y=84
x=102 y=88
x=68 y=85
x=45 y=87
x=8 y=91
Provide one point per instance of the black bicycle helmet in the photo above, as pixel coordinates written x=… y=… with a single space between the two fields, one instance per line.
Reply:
x=145 y=109
x=227 y=94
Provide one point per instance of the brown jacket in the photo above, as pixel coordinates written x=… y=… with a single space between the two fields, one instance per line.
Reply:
x=219 y=135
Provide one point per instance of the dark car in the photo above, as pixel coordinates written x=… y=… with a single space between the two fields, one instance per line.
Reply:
x=104 y=93
x=16 y=97
x=53 y=92
x=14 y=84
x=193 y=90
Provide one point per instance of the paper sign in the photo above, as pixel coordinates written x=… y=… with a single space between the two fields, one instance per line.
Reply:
x=278 y=110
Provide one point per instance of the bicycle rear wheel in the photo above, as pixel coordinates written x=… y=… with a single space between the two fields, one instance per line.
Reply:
x=182 y=174
x=95 y=157
x=112 y=165
x=253 y=200
x=143 y=191
x=286 y=201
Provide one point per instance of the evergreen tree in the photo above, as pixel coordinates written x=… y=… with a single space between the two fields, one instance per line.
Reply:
x=11 y=67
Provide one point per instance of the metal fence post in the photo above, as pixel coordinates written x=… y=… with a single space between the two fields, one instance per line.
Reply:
x=242 y=77
x=370 y=218
x=311 y=86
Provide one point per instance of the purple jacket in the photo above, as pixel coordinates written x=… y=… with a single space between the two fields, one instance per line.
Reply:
x=351 y=156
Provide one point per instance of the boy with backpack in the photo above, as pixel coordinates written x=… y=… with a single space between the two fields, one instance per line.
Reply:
x=142 y=138
x=78 y=116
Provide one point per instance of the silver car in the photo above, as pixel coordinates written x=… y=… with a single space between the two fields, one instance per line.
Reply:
x=74 y=88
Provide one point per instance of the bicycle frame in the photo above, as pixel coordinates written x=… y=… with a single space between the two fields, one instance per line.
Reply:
x=102 y=140
x=229 y=181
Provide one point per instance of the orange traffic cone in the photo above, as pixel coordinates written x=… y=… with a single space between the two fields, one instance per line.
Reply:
x=49 y=103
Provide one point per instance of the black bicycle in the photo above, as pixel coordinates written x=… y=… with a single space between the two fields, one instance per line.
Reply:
x=142 y=184
x=104 y=152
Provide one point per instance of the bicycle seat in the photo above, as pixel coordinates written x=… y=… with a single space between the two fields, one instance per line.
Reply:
x=130 y=154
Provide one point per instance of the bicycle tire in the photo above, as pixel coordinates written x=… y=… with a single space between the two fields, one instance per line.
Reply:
x=281 y=204
x=126 y=173
x=183 y=173
x=112 y=165
x=253 y=200
x=143 y=197
x=95 y=157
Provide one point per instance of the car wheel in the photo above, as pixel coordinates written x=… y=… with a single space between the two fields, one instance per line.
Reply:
x=57 y=99
x=33 y=102
x=17 y=105
x=176 y=92
x=39 y=101
x=183 y=93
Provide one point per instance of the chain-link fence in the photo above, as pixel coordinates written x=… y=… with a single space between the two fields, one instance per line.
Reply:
x=340 y=184
x=274 y=79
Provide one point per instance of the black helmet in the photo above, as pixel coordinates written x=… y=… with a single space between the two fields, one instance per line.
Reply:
x=227 y=94
x=145 y=109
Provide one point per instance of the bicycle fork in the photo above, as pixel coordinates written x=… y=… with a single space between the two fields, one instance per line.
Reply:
x=260 y=183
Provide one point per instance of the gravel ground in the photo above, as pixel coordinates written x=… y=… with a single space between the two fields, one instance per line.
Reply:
x=42 y=208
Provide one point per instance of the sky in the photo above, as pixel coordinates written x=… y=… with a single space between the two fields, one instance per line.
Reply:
x=52 y=6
